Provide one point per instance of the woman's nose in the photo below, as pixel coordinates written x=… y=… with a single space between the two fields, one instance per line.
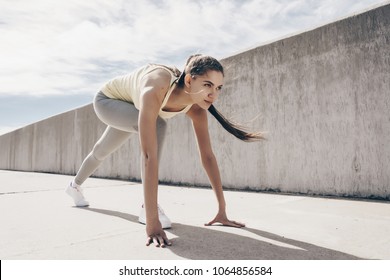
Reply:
x=213 y=95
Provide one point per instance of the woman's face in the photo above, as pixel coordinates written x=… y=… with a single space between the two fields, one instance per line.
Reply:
x=204 y=90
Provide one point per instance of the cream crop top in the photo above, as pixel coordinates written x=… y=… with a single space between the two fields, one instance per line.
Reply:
x=127 y=88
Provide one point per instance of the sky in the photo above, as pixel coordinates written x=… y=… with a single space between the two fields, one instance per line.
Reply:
x=55 y=55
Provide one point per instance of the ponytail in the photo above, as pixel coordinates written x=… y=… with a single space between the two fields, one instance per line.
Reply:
x=236 y=129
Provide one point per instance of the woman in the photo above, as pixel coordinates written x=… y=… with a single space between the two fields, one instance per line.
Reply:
x=140 y=102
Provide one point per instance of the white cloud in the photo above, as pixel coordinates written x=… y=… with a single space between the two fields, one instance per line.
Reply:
x=57 y=47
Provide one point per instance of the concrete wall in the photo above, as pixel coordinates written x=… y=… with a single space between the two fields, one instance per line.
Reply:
x=323 y=96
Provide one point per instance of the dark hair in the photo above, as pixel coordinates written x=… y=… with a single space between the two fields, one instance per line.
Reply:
x=198 y=65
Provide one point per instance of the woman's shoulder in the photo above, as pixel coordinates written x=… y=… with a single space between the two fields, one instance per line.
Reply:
x=173 y=71
x=157 y=76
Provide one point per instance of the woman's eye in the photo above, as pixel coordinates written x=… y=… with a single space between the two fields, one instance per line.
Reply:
x=207 y=85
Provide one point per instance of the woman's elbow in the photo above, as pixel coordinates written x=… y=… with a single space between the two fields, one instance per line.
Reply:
x=148 y=157
x=207 y=159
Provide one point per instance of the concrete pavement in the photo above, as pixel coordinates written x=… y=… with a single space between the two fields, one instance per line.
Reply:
x=38 y=221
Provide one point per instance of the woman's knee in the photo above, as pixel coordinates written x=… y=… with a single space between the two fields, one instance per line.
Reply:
x=98 y=152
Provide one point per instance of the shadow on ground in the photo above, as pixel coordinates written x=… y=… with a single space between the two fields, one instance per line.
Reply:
x=203 y=243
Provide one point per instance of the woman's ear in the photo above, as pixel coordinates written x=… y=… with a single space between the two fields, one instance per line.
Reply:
x=187 y=80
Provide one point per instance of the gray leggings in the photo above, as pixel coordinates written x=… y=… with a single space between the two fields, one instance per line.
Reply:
x=121 y=118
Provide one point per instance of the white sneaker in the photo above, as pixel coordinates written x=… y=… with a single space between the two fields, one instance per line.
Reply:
x=164 y=220
x=77 y=194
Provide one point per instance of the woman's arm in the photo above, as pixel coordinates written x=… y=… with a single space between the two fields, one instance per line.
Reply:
x=153 y=89
x=209 y=162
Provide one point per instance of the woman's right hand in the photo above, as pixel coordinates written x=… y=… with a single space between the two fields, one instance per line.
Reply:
x=156 y=235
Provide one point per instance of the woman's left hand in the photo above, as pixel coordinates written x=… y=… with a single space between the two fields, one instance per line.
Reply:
x=221 y=218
